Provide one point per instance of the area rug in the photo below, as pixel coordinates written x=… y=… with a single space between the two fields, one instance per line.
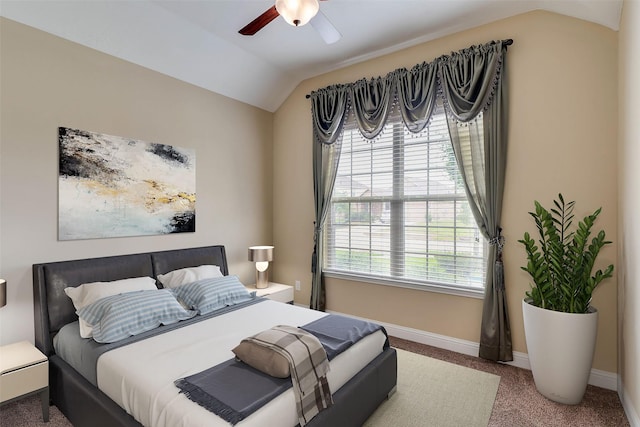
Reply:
x=433 y=393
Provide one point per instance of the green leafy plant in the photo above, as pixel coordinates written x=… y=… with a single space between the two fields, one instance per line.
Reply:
x=561 y=267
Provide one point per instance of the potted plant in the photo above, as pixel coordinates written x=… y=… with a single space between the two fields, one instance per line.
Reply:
x=560 y=323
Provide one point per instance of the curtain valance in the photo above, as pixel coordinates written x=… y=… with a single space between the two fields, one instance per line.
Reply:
x=466 y=80
x=329 y=110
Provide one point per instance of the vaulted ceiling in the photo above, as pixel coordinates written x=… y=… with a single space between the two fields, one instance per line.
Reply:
x=197 y=41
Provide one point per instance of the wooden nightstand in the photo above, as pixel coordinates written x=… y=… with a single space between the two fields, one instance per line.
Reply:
x=275 y=291
x=24 y=371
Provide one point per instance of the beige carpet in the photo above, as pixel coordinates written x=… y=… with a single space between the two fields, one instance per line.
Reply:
x=435 y=393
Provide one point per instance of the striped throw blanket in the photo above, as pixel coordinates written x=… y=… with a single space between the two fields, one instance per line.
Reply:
x=308 y=363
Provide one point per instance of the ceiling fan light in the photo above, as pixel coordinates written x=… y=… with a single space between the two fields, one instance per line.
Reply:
x=297 y=12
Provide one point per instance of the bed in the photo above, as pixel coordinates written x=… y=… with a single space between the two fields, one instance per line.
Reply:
x=355 y=395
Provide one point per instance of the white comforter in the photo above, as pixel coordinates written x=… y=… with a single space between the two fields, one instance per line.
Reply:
x=139 y=377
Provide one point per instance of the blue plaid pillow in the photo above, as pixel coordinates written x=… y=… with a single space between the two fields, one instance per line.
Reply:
x=211 y=294
x=120 y=316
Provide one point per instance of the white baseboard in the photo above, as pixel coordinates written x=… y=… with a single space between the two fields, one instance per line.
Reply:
x=604 y=379
x=629 y=410
x=598 y=378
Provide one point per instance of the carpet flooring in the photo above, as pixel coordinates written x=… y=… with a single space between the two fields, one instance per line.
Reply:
x=517 y=402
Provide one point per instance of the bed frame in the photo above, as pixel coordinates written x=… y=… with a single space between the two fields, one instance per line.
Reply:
x=84 y=405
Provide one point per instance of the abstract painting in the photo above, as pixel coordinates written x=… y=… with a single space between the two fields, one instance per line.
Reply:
x=110 y=186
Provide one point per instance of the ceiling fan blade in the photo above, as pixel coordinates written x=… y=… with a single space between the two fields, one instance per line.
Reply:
x=325 y=28
x=257 y=24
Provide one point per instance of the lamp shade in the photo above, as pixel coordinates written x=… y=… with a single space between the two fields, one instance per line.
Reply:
x=260 y=253
x=3 y=292
x=297 y=12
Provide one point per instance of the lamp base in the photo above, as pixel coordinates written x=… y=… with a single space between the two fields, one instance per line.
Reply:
x=262 y=279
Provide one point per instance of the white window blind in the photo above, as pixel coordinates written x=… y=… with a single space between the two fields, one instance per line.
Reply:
x=399 y=210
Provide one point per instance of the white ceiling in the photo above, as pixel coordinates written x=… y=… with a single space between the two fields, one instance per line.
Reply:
x=197 y=41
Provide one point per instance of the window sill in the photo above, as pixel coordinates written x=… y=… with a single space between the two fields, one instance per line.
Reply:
x=428 y=287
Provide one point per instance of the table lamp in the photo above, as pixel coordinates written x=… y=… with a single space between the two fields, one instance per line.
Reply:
x=261 y=255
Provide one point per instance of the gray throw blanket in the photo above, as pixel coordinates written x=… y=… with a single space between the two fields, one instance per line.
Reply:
x=308 y=363
x=234 y=390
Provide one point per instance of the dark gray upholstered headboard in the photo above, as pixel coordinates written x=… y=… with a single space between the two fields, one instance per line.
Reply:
x=166 y=261
x=53 y=308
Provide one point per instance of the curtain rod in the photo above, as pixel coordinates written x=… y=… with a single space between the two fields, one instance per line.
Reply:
x=507 y=42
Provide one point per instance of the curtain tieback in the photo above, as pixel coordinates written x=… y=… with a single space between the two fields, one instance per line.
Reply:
x=498 y=267
x=316 y=232
x=314 y=254
x=498 y=241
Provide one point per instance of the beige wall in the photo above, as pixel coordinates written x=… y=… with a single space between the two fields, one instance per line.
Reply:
x=563 y=116
x=629 y=206
x=48 y=82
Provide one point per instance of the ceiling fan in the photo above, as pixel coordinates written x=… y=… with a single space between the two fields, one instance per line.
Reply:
x=296 y=13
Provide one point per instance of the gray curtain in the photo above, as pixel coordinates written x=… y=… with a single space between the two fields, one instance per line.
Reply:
x=470 y=82
x=372 y=101
x=417 y=93
x=329 y=109
x=473 y=82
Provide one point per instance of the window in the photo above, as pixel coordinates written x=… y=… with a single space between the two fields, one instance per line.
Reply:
x=399 y=213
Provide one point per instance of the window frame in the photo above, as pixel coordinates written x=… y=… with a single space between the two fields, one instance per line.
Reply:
x=397 y=244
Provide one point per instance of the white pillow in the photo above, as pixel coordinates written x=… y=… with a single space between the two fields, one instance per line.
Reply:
x=180 y=277
x=88 y=293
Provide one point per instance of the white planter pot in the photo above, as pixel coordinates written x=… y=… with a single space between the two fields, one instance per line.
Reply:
x=561 y=348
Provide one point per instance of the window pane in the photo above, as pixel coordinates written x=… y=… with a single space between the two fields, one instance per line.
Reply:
x=440 y=182
x=415 y=239
x=361 y=162
x=342 y=186
x=360 y=260
x=380 y=238
x=340 y=236
x=416 y=265
x=382 y=161
x=340 y=213
x=382 y=185
x=416 y=156
x=380 y=263
x=415 y=213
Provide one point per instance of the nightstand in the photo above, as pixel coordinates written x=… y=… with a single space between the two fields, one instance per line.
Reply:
x=275 y=291
x=24 y=371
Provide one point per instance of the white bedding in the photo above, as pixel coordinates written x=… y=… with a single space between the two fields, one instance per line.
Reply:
x=139 y=377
